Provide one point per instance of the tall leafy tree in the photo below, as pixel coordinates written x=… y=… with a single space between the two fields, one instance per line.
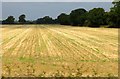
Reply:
x=77 y=17
x=96 y=17
x=114 y=15
x=9 y=20
x=22 y=18
x=63 y=19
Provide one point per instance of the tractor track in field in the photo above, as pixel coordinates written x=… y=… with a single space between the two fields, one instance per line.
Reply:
x=85 y=47
x=79 y=39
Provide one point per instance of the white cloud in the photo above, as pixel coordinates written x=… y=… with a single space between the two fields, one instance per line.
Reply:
x=57 y=0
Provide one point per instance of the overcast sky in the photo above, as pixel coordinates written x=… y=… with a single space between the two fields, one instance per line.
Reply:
x=56 y=0
x=34 y=10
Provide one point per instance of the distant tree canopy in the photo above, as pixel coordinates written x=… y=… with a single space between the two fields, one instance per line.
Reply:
x=9 y=20
x=64 y=19
x=45 y=20
x=22 y=19
x=78 y=17
x=96 y=17
x=114 y=15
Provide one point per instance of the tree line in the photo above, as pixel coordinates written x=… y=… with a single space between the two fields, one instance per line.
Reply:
x=78 y=17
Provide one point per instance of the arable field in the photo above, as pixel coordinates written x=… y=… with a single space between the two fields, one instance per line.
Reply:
x=55 y=50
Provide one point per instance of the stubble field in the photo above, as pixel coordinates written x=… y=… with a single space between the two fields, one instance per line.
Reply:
x=55 y=50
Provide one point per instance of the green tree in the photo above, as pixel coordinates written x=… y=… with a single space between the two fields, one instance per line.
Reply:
x=106 y=18
x=45 y=20
x=63 y=19
x=22 y=18
x=96 y=17
x=9 y=20
x=114 y=15
x=78 y=16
